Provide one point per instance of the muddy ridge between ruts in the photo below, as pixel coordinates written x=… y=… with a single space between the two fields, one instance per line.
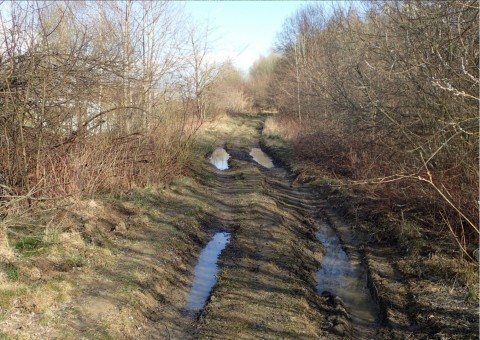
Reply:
x=267 y=267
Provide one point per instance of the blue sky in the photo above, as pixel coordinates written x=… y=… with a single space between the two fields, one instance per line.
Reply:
x=242 y=30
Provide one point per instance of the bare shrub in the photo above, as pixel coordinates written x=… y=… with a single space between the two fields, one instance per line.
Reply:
x=387 y=94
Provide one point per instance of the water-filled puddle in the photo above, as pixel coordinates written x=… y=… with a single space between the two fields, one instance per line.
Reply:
x=206 y=272
x=345 y=279
x=219 y=158
x=261 y=158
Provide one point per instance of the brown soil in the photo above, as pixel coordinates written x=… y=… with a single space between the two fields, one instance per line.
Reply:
x=121 y=267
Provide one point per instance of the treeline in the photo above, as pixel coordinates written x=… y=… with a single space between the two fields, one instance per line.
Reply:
x=101 y=96
x=386 y=93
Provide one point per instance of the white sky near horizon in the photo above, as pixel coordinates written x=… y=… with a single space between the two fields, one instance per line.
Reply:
x=242 y=30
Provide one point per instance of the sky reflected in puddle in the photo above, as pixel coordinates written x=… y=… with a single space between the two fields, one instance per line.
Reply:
x=261 y=158
x=219 y=159
x=206 y=272
x=344 y=278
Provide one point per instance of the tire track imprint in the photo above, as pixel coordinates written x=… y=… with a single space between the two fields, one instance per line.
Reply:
x=267 y=284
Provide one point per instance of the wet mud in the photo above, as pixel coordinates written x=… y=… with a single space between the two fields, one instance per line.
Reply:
x=241 y=249
x=270 y=282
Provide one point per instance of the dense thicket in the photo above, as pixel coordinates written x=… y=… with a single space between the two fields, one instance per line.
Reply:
x=388 y=93
x=100 y=96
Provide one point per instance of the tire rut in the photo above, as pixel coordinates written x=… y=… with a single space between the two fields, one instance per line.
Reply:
x=265 y=287
x=267 y=284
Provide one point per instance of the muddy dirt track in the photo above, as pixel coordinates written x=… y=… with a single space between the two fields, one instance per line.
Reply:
x=269 y=263
x=267 y=285
x=123 y=267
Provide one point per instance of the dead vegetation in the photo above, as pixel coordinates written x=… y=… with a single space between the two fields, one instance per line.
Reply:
x=86 y=109
x=384 y=96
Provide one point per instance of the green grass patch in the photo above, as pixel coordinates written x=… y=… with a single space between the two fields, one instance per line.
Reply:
x=29 y=245
x=472 y=294
x=8 y=295
x=205 y=178
x=3 y=336
x=10 y=270
x=144 y=198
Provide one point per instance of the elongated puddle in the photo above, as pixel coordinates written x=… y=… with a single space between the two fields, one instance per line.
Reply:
x=206 y=271
x=219 y=158
x=346 y=279
x=261 y=158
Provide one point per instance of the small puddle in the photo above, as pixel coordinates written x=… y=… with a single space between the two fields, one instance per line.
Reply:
x=344 y=278
x=261 y=158
x=219 y=158
x=206 y=271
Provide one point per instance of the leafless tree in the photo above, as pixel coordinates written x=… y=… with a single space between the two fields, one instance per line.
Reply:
x=91 y=95
x=395 y=84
